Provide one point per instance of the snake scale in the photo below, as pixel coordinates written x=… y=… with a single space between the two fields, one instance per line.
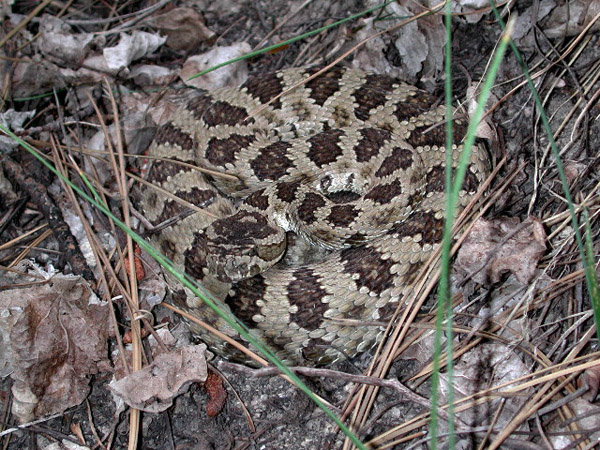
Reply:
x=333 y=199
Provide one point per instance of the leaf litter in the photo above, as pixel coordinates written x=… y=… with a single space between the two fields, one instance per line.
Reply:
x=55 y=338
x=503 y=271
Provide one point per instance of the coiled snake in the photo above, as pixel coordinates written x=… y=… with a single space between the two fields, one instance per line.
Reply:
x=334 y=200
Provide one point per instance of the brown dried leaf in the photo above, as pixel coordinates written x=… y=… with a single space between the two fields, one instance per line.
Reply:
x=36 y=77
x=495 y=247
x=60 y=44
x=57 y=342
x=574 y=170
x=184 y=28
x=525 y=21
x=149 y=75
x=570 y=18
x=230 y=75
x=11 y=308
x=216 y=393
x=416 y=48
x=485 y=129
x=66 y=445
x=131 y=47
x=153 y=388
x=468 y=8
x=488 y=365
x=585 y=417
x=590 y=379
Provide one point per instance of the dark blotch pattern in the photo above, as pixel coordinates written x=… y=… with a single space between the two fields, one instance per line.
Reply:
x=356 y=239
x=221 y=113
x=401 y=158
x=423 y=223
x=459 y=130
x=222 y=151
x=325 y=183
x=306 y=210
x=436 y=179
x=243 y=226
x=415 y=105
x=341 y=117
x=471 y=183
x=373 y=271
x=387 y=311
x=385 y=193
x=372 y=94
x=160 y=171
x=196 y=196
x=411 y=273
x=370 y=143
x=272 y=162
x=169 y=134
x=428 y=135
x=258 y=199
x=199 y=105
x=342 y=215
x=324 y=86
x=436 y=135
x=243 y=300
x=416 y=197
x=265 y=87
x=343 y=196
x=304 y=285
x=286 y=190
x=325 y=147
x=194 y=260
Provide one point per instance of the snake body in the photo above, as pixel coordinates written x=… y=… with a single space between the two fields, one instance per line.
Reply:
x=333 y=201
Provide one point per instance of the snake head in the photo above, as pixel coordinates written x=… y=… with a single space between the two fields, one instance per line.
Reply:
x=242 y=246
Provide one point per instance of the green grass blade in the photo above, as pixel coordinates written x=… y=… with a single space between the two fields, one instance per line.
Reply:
x=590 y=265
x=204 y=296
x=444 y=303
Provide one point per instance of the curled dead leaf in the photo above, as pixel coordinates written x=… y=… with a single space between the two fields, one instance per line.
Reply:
x=184 y=27
x=570 y=18
x=232 y=74
x=484 y=129
x=495 y=247
x=131 y=47
x=574 y=170
x=59 y=43
x=153 y=388
x=57 y=341
x=488 y=364
x=590 y=379
x=216 y=393
x=416 y=47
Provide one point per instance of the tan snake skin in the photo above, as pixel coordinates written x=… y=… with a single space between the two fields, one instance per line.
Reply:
x=337 y=202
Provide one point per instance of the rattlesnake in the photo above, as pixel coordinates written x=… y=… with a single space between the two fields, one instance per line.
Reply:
x=349 y=165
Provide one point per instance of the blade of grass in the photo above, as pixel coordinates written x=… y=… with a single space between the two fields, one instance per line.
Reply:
x=589 y=262
x=453 y=189
x=204 y=296
x=444 y=311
